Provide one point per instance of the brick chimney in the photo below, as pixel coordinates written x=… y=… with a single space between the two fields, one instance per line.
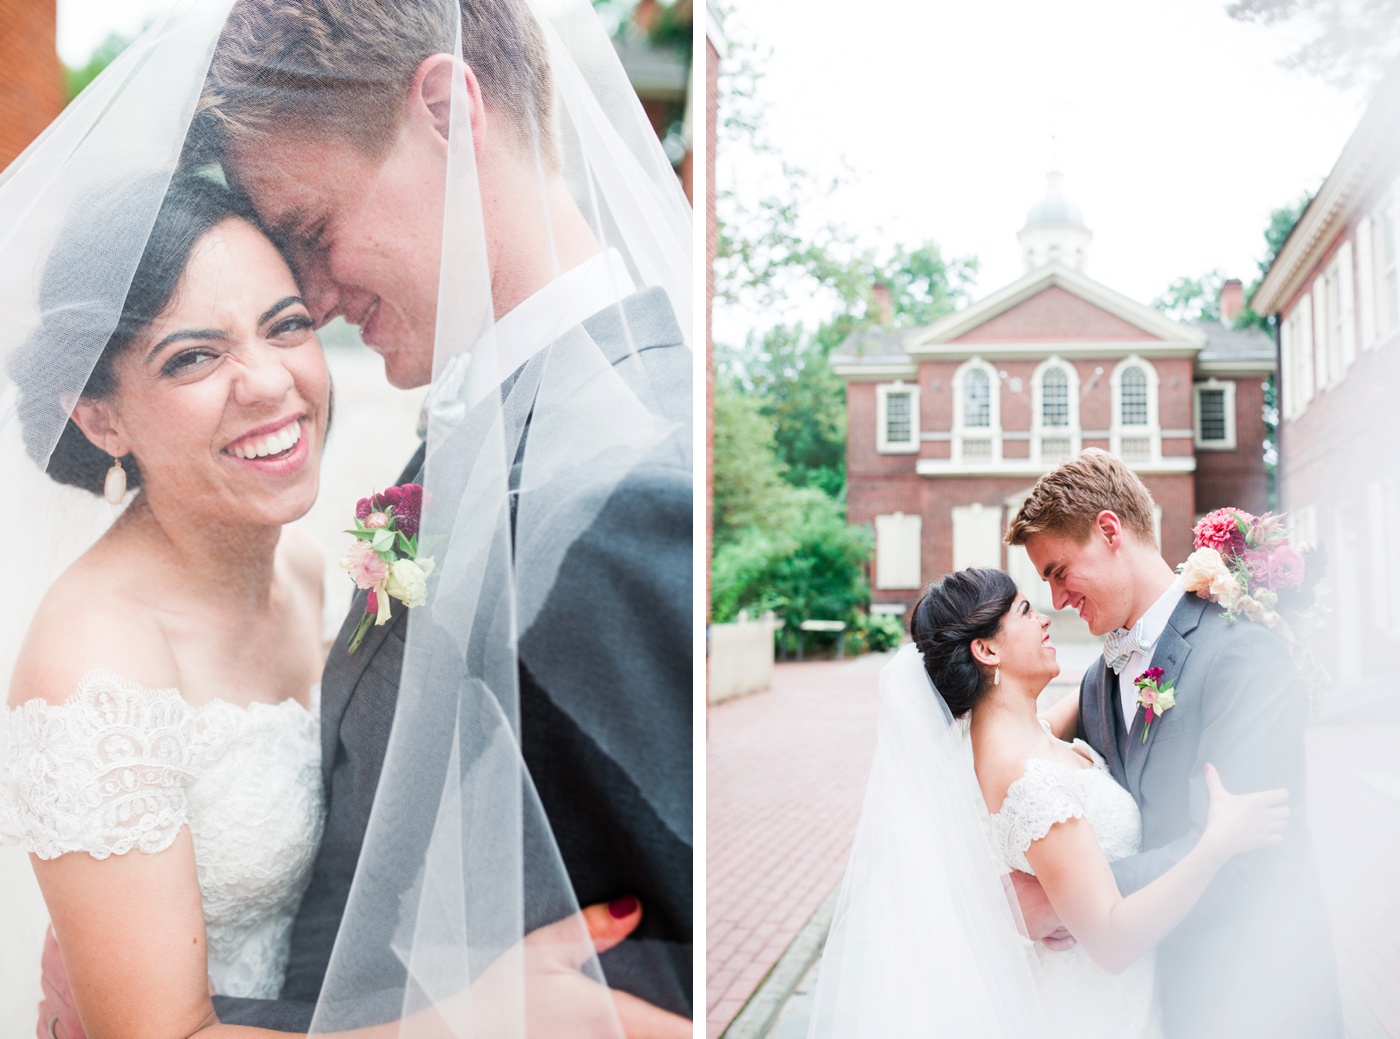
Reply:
x=1231 y=300
x=882 y=303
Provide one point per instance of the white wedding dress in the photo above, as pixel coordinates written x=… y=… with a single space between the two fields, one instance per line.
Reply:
x=1079 y=998
x=118 y=769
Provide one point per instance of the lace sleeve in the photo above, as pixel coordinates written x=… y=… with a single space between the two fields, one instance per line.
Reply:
x=103 y=772
x=1036 y=801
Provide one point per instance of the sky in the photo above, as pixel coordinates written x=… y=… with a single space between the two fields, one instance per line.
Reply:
x=1175 y=127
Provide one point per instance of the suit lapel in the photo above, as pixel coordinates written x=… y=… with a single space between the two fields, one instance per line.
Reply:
x=1096 y=710
x=1170 y=655
x=343 y=669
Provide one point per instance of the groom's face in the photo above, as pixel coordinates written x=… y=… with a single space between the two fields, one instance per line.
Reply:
x=1090 y=577
x=363 y=233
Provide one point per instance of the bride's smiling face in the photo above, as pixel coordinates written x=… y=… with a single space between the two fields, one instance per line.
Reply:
x=1023 y=647
x=223 y=398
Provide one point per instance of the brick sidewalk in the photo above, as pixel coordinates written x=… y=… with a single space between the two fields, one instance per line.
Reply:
x=785 y=775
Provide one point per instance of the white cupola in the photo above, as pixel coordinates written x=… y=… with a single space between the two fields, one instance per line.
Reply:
x=1055 y=231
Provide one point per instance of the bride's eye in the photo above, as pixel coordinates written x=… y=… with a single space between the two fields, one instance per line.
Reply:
x=294 y=324
x=187 y=360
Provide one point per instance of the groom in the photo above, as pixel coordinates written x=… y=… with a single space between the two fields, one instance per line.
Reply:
x=1254 y=958
x=354 y=192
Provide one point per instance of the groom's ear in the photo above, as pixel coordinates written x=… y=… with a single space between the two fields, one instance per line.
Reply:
x=1108 y=526
x=430 y=98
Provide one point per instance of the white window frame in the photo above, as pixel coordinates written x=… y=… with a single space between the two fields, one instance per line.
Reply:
x=1346 y=296
x=961 y=431
x=1227 y=386
x=1303 y=356
x=883 y=444
x=1153 y=430
x=1073 y=431
x=898 y=551
x=1322 y=327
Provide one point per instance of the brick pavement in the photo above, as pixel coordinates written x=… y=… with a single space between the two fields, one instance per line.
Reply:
x=785 y=775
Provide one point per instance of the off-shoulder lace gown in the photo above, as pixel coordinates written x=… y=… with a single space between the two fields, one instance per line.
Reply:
x=1081 y=999
x=117 y=769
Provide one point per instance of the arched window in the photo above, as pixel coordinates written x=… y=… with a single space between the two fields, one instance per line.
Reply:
x=977 y=400
x=1136 y=434
x=976 y=414
x=1055 y=433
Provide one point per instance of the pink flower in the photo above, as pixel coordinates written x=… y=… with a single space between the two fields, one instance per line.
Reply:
x=376 y=520
x=1283 y=568
x=364 y=566
x=372 y=602
x=1220 y=530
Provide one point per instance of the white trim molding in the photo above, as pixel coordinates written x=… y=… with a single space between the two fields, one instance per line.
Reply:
x=1136 y=443
x=979 y=444
x=883 y=392
x=936 y=468
x=1226 y=389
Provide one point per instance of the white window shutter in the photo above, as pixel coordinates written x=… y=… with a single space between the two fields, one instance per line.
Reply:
x=1287 y=367
x=1319 y=316
x=898 y=548
x=976 y=536
x=1305 y=354
x=1366 y=282
x=1346 y=294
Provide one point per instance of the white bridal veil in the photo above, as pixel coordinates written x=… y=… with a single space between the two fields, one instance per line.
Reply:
x=924 y=941
x=459 y=861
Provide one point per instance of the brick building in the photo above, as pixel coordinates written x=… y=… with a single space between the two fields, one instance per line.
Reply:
x=31 y=80
x=949 y=425
x=1335 y=292
x=714 y=40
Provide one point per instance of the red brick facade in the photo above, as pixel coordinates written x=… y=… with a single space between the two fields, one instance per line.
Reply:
x=1012 y=338
x=31 y=80
x=711 y=118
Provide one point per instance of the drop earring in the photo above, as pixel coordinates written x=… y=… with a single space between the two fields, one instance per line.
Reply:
x=996 y=676
x=114 y=488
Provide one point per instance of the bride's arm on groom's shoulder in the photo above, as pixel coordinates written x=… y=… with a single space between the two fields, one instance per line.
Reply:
x=1116 y=929
x=1254 y=713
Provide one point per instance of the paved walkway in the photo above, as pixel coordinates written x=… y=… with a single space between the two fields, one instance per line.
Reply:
x=786 y=776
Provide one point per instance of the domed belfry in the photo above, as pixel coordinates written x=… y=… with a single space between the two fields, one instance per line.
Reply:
x=1055 y=231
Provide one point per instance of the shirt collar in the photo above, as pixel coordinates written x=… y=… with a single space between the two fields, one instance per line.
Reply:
x=599 y=282
x=1154 y=621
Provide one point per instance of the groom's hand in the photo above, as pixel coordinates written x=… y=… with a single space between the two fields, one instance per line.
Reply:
x=1042 y=922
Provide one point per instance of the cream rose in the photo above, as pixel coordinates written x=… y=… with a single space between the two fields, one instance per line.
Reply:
x=1201 y=569
x=408 y=581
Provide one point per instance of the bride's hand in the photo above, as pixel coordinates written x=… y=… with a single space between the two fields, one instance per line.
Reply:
x=560 y=1000
x=1238 y=823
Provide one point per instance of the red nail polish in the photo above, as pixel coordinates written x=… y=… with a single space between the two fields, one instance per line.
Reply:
x=624 y=906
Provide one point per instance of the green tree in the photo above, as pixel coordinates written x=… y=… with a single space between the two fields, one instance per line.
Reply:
x=1346 y=43
x=76 y=79
x=1192 y=299
x=750 y=492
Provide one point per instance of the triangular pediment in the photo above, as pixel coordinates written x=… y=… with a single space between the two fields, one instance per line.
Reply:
x=1055 y=304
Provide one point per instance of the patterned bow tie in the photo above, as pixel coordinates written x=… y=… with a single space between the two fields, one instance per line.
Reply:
x=1121 y=644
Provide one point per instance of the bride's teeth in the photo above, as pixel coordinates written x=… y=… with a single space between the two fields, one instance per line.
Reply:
x=288 y=438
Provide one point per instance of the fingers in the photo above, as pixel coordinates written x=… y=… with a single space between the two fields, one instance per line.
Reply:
x=642 y=1020
x=610 y=922
x=1056 y=944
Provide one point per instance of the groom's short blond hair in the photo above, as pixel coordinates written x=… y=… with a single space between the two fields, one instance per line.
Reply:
x=1067 y=500
x=342 y=69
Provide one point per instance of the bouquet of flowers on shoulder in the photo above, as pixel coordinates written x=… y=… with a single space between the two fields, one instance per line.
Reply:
x=1256 y=568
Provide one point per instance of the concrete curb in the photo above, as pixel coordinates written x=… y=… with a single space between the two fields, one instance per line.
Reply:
x=760 y=1013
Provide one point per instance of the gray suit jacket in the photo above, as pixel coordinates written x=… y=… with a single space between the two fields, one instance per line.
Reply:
x=619 y=613
x=1254 y=957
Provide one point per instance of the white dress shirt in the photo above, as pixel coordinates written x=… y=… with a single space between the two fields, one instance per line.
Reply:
x=1153 y=622
x=525 y=330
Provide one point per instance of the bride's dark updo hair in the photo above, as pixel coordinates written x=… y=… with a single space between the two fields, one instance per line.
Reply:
x=74 y=301
x=964 y=606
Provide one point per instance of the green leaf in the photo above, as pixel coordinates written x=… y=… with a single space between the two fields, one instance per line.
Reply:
x=405 y=545
x=362 y=534
x=383 y=541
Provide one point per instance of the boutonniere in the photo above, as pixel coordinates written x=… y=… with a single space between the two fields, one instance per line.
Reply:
x=1155 y=699
x=385 y=557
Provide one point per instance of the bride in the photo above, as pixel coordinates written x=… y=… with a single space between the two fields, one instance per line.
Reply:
x=164 y=759
x=924 y=940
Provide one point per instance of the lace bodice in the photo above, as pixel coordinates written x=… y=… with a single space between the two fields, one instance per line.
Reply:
x=118 y=767
x=1080 y=999
x=1049 y=792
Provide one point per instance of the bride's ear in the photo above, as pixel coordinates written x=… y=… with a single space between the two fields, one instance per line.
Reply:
x=983 y=653
x=100 y=425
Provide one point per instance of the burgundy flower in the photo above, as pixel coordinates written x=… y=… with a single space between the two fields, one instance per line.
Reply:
x=410 y=509
x=363 y=508
x=1152 y=674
